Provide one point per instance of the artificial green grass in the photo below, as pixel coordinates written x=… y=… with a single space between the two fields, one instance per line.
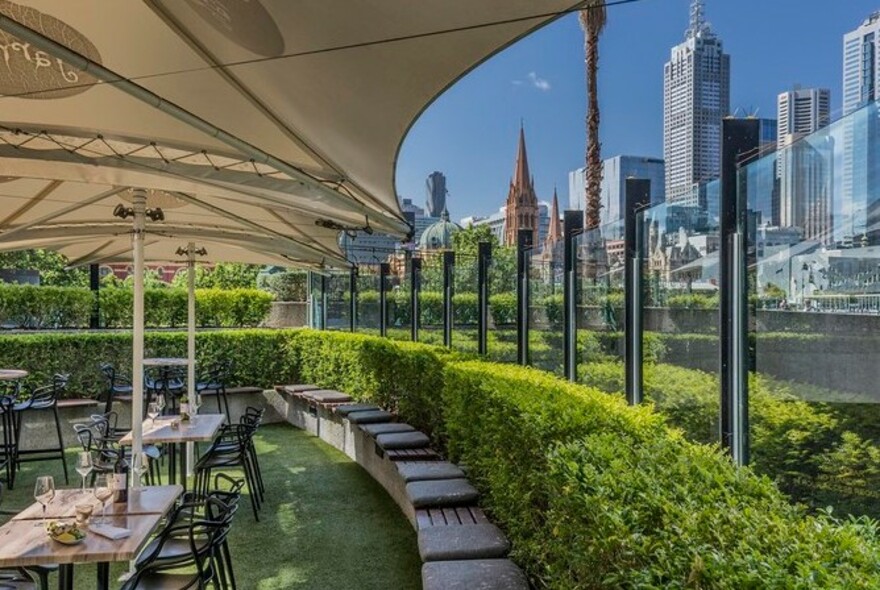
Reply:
x=326 y=524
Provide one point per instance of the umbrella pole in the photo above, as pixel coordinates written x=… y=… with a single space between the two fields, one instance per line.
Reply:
x=190 y=341
x=137 y=369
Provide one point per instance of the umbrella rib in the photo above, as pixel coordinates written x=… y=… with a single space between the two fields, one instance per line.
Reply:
x=31 y=203
x=6 y=235
x=87 y=258
x=252 y=225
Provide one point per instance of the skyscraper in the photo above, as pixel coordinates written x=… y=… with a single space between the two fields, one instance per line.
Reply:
x=804 y=166
x=522 y=202
x=696 y=96
x=435 y=187
x=613 y=189
x=861 y=132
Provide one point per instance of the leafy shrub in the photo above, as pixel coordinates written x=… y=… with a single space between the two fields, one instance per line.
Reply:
x=431 y=308
x=168 y=307
x=693 y=301
x=553 y=307
x=502 y=306
x=30 y=306
x=285 y=286
x=465 y=308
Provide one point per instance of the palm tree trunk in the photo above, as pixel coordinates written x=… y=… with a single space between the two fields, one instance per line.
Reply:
x=594 y=146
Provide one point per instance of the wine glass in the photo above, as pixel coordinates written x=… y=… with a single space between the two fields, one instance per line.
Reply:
x=160 y=402
x=44 y=492
x=84 y=466
x=140 y=463
x=153 y=411
x=103 y=491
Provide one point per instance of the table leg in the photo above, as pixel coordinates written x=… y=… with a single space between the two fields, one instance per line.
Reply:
x=172 y=463
x=65 y=576
x=181 y=449
x=103 y=575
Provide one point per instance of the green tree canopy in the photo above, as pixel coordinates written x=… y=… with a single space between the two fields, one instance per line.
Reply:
x=51 y=265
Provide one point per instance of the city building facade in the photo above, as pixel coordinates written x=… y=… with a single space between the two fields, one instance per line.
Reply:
x=696 y=96
x=804 y=166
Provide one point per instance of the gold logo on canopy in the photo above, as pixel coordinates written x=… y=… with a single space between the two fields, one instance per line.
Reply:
x=28 y=72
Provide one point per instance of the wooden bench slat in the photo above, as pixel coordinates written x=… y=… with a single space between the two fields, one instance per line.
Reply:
x=437 y=516
x=451 y=516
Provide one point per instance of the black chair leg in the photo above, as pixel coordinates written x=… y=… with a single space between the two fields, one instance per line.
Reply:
x=227 y=557
x=61 y=444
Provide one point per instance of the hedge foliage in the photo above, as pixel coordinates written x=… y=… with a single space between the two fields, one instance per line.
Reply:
x=28 y=306
x=592 y=493
x=257 y=355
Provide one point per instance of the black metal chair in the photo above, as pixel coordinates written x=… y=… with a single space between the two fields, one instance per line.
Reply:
x=214 y=380
x=41 y=399
x=7 y=442
x=156 y=571
x=219 y=506
x=232 y=449
x=117 y=384
x=169 y=382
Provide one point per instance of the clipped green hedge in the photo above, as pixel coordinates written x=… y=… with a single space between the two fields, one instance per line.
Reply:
x=257 y=355
x=33 y=307
x=592 y=493
x=30 y=306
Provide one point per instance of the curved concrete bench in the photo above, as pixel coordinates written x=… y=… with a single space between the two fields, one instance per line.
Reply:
x=461 y=549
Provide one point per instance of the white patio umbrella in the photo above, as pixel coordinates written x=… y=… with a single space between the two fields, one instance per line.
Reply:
x=287 y=115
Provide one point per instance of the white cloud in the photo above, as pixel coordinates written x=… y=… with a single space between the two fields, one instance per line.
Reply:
x=538 y=82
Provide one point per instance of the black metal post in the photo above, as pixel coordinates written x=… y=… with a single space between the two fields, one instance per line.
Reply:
x=572 y=224
x=484 y=253
x=638 y=197
x=352 y=299
x=740 y=137
x=415 y=286
x=324 y=314
x=95 y=286
x=384 y=271
x=448 y=294
x=523 y=246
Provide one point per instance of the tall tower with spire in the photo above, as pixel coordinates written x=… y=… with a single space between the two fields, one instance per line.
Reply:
x=696 y=97
x=522 y=203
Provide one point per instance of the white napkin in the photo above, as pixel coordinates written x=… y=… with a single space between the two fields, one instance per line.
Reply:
x=111 y=532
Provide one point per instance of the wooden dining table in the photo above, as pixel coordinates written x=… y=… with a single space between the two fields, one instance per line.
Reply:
x=199 y=428
x=24 y=541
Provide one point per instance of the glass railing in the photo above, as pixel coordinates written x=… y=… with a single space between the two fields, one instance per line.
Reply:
x=600 y=258
x=501 y=338
x=680 y=341
x=398 y=286
x=338 y=297
x=814 y=279
x=431 y=299
x=546 y=307
x=368 y=308
x=465 y=304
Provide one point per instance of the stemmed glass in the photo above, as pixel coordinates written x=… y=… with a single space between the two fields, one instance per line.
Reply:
x=44 y=492
x=153 y=411
x=84 y=466
x=140 y=463
x=160 y=402
x=103 y=491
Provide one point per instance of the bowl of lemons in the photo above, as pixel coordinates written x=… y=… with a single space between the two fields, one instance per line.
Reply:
x=65 y=533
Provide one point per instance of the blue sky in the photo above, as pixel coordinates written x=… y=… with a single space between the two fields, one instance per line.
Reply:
x=470 y=132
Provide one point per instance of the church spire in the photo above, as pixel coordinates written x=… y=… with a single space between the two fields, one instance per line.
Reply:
x=521 y=176
x=554 y=232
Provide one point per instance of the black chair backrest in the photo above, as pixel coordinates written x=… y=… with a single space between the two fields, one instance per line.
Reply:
x=47 y=395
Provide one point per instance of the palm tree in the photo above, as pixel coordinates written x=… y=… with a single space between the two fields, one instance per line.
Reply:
x=593 y=18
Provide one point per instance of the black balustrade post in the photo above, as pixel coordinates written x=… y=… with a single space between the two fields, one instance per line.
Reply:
x=572 y=224
x=523 y=246
x=95 y=286
x=352 y=298
x=740 y=139
x=384 y=271
x=638 y=197
x=415 y=288
x=484 y=258
x=448 y=294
